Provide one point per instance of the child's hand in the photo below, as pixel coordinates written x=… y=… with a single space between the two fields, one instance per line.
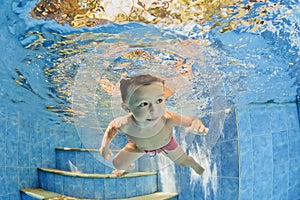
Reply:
x=105 y=152
x=197 y=126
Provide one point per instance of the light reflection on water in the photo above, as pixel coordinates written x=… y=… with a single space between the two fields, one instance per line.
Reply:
x=242 y=52
x=244 y=61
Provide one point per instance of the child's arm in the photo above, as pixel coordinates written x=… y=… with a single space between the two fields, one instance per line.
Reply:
x=110 y=133
x=108 y=136
x=192 y=124
x=197 y=126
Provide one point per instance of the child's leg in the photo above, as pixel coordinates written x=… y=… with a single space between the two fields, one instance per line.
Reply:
x=179 y=157
x=124 y=160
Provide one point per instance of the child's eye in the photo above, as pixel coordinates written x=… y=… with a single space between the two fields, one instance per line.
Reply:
x=160 y=100
x=143 y=104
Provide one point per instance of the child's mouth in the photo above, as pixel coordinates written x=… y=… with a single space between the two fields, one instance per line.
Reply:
x=151 y=120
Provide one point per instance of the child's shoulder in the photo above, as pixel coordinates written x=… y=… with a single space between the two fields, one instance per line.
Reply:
x=170 y=115
x=121 y=121
x=173 y=118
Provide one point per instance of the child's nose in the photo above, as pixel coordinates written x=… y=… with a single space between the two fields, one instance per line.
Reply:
x=153 y=108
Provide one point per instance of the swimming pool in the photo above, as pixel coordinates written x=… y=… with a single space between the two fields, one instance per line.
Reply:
x=236 y=66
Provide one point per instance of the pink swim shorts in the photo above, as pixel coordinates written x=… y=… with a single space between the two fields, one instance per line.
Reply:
x=173 y=144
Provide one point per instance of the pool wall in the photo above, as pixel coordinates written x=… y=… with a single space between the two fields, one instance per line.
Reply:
x=269 y=151
x=267 y=143
x=26 y=144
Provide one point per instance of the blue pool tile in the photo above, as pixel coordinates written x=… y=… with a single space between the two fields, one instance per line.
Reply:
x=23 y=151
x=68 y=182
x=72 y=139
x=230 y=128
x=140 y=184
x=60 y=161
x=262 y=149
x=80 y=161
x=246 y=145
x=23 y=177
x=292 y=116
x=198 y=190
x=280 y=181
x=278 y=118
x=244 y=126
x=2 y=148
x=121 y=188
x=107 y=169
x=51 y=182
x=294 y=173
x=110 y=188
x=35 y=155
x=5 y=197
x=89 y=163
x=33 y=177
x=259 y=120
x=11 y=180
x=58 y=138
x=14 y=196
x=88 y=188
x=59 y=184
x=293 y=143
x=216 y=157
x=246 y=188
x=70 y=159
x=280 y=147
x=46 y=151
x=43 y=177
x=99 y=166
x=229 y=188
x=246 y=165
x=99 y=188
x=294 y=193
x=262 y=187
x=131 y=186
x=77 y=187
x=229 y=158
x=3 y=188
x=3 y=120
x=153 y=183
x=184 y=179
x=11 y=149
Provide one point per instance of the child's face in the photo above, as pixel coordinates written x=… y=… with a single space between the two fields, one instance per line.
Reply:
x=147 y=104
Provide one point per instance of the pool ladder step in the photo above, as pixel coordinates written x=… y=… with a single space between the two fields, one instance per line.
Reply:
x=97 y=186
x=40 y=194
x=93 y=180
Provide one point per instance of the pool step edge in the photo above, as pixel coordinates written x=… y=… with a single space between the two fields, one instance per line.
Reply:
x=87 y=175
x=41 y=194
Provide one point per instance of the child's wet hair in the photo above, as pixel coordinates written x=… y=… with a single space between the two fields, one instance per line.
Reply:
x=139 y=80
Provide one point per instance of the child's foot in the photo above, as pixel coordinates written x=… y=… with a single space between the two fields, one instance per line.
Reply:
x=198 y=169
x=119 y=172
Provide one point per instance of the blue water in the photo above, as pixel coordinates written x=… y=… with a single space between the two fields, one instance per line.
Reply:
x=50 y=72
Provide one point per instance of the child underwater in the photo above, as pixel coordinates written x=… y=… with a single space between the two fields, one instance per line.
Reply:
x=148 y=125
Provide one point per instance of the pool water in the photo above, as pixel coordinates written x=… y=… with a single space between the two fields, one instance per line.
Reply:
x=234 y=64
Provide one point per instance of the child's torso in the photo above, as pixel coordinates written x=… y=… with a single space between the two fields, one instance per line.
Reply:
x=149 y=138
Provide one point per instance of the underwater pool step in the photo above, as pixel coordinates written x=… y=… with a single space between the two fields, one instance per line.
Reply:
x=40 y=194
x=83 y=160
x=37 y=193
x=155 y=196
x=97 y=186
